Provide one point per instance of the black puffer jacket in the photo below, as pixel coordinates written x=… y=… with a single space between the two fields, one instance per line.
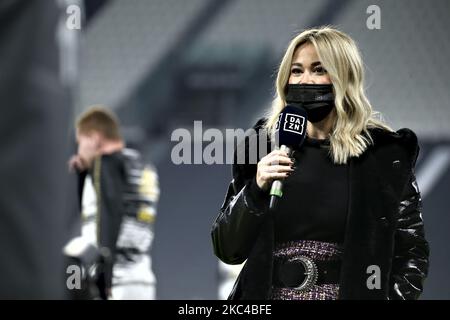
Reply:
x=384 y=224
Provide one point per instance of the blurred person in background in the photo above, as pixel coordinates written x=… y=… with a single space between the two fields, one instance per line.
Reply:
x=37 y=74
x=118 y=195
x=349 y=224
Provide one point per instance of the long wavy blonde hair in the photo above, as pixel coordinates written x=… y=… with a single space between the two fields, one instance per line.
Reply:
x=340 y=56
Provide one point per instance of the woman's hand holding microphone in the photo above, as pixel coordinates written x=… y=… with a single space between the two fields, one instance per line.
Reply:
x=275 y=166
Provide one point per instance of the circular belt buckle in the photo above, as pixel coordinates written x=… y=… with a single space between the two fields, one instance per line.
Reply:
x=311 y=273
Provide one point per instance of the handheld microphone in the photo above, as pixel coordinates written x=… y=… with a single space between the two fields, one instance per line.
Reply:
x=290 y=132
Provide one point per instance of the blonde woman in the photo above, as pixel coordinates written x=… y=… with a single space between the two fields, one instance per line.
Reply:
x=349 y=225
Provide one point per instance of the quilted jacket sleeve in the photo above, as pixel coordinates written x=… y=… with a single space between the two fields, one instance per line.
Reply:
x=244 y=209
x=411 y=252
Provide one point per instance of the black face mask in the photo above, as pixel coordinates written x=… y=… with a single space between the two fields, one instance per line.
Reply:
x=317 y=99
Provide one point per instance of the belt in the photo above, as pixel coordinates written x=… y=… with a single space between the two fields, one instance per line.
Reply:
x=302 y=273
